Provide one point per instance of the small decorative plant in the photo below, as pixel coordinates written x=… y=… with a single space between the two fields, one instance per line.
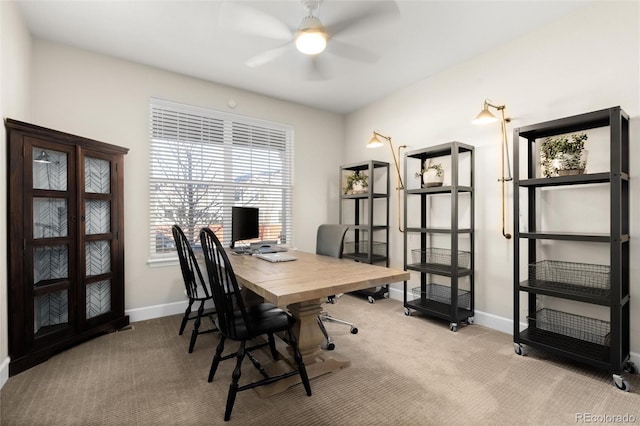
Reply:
x=356 y=182
x=563 y=155
x=432 y=174
x=437 y=167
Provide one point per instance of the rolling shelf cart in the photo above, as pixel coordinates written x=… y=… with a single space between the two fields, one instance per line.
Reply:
x=602 y=344
x=449 y=302
x=367 y=239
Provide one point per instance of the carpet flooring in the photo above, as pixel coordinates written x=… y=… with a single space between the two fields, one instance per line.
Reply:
x=406 y=370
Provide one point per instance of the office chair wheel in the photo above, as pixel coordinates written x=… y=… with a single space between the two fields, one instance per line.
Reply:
x=371 y=299
x=354 y=330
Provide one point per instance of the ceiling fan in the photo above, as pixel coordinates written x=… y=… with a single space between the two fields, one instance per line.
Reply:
x=311 y=37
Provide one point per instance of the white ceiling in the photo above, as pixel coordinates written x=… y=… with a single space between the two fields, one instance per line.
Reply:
x=194 y=38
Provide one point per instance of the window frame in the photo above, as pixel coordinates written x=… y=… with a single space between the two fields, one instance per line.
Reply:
x=231 y=143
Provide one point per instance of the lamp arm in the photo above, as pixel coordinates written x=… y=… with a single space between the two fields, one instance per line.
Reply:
x=395 y=161
x=505 y=147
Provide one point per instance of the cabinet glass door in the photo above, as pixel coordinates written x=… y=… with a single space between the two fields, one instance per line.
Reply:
x=50 y=205
x=98 y=236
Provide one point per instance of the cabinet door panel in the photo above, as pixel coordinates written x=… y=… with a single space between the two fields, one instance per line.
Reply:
x=49 y=310
x=50 y=263
x=97 y=174
x=97 y=217
x=98 y=298
x=50 y=217
x=98 y=258
x=49 y=169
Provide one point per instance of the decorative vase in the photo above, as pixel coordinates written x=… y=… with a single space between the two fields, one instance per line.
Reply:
x=571 y=164
x=430 y=178
x=357 y=188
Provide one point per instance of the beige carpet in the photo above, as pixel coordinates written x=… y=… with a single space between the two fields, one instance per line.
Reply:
x=405 y=370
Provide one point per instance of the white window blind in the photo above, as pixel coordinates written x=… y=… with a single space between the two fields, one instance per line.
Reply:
x=203 y=162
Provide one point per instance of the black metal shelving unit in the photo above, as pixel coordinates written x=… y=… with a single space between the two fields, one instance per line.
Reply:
x=449 y=302
x=367 y=215
x=602 y=344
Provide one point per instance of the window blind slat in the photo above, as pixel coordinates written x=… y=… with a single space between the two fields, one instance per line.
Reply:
x=203 y=162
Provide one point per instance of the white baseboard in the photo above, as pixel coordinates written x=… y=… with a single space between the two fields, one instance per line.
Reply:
x=156 y=311
x=4 y=371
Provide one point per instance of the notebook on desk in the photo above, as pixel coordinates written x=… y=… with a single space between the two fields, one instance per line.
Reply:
x=276 y=257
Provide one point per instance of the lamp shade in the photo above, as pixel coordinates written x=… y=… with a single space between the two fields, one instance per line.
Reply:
x=374 y=142
x=484 y=117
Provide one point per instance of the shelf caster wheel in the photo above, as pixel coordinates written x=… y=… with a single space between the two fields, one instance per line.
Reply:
x=371 y=299
x=407 y=312
x=519 y=349
x=330 y=346
x=630 y=368
x=621 y=383
x=470 y=320
x=453 y=327
x=386 y=295
x=354 y=330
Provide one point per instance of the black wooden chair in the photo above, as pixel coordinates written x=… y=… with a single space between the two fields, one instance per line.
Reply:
x=241 y=323
x=330 y=242
x=196 y=288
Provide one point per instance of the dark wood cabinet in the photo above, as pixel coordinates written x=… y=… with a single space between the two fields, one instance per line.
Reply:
x=65 y=241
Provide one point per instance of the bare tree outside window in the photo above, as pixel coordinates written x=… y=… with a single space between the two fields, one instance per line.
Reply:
x=203 y=162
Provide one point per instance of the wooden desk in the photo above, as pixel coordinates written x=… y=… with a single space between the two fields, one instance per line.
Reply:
x=302 y=285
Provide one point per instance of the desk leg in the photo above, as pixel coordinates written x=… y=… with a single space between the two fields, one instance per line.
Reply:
x=310 y=340
x=317 y=362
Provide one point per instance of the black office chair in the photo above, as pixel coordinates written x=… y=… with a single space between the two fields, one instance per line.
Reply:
x=330 y=242
x=196 y=288
x=240 y=323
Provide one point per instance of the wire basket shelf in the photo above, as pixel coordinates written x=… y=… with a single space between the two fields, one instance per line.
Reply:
x=571 y=325
x=583 y=277
x=440 y=256
x=442 y=293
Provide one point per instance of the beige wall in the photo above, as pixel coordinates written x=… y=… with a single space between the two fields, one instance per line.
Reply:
x=108 y=99
x=584 y=62
x=15 y=68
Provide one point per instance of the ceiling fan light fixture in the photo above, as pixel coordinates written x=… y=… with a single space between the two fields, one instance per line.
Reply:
x=310 y=38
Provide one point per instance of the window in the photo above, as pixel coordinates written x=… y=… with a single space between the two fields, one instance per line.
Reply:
x=203 y=162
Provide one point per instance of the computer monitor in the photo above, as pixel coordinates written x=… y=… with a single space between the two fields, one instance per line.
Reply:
x=244 y=224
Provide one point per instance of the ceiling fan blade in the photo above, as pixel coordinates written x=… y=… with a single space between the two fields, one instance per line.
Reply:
x=248 y=20
x=316 y=69
x=349 y=51
x=378 y=13
x=267 y=56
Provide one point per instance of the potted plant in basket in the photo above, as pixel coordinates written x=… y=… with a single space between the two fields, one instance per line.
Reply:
x=432 y=174
x=563 y=155
x=356 y=183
